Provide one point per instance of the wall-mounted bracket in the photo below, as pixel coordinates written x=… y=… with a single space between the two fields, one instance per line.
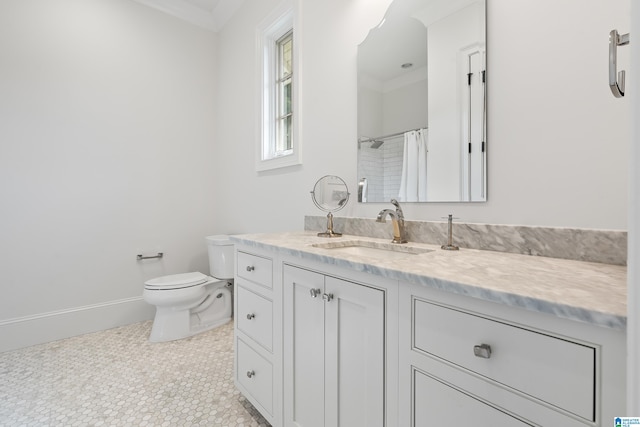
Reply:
x=616 y=78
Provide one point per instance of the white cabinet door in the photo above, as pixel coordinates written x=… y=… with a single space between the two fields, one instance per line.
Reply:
x=304 y=348
x=354 y=354
x=334 y=351
x=438 y=404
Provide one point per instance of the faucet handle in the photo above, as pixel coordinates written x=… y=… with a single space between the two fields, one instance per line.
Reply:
x=399 y=212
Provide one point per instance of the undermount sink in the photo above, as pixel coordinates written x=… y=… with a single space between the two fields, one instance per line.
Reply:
x=373 y=249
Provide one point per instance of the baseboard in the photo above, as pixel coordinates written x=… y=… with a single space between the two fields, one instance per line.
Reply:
x=41 y=328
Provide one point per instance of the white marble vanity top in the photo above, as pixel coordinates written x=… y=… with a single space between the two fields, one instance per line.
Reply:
x=583 y=291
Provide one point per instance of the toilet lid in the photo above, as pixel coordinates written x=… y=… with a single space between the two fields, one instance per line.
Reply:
x=176 y=281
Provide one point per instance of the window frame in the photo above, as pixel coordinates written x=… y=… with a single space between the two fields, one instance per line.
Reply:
x=274 y=28
x=282 y=113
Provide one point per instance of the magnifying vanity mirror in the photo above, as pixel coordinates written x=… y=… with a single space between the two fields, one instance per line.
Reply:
x=330 y=194
x=422 y=104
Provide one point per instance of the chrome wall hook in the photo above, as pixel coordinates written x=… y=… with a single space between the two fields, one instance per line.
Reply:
x=616 y=78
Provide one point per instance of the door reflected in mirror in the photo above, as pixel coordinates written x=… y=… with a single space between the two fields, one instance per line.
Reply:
x=422 y=104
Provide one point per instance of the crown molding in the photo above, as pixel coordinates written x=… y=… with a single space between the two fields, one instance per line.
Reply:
x=212 y=17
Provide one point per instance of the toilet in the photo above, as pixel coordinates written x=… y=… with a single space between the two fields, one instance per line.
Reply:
x=190 y=303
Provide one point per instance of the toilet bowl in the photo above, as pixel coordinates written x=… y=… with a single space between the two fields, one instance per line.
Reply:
x=190 y=303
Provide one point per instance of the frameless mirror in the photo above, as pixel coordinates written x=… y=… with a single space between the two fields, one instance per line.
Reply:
x=330 y=194
x=422 y=104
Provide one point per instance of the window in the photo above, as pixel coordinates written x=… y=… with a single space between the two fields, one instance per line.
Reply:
x=284 y=79
x=278 y=112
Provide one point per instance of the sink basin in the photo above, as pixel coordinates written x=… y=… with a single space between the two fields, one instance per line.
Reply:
x=372 y=249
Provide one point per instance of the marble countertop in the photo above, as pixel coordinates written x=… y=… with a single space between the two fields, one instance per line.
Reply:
x=588 y=292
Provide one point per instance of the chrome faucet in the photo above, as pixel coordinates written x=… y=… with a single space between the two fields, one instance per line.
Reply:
x=397 y=218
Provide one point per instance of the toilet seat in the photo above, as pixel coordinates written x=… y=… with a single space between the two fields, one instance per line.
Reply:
x=177 y=281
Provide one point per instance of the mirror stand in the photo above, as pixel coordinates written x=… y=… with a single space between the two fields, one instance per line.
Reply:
x=329 y=232
x=330 y=194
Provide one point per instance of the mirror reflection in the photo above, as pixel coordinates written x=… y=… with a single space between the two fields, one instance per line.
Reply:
x=422 y=104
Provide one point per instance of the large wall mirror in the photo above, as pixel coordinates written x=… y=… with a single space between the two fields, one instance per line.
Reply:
x=422 y=104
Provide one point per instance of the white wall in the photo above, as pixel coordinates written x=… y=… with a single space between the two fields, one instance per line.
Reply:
x=558 y=141
x=448 y=104
x=389 y=108
x=108 y=143
x=405 y=107
x=370 y=124
x=106 y=148
x=279 y=200
x=371 y=102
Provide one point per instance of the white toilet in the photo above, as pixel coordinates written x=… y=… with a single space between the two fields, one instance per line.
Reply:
x=190 y=303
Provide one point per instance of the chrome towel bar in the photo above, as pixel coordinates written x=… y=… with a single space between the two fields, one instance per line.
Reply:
x=159 y=255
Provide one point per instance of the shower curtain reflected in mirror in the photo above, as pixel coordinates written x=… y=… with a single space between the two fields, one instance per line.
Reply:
x=413 y=181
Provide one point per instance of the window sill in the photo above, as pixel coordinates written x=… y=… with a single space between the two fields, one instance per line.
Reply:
x=278 y=162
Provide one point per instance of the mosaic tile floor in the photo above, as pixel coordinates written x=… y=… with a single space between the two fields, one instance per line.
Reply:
x=118 y=378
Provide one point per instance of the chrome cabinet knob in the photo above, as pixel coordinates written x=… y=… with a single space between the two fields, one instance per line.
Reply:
x=250 y=268
x=251 y=373
x=314 y=292
x=327 y=297
x=483 y=351
x=250 y=316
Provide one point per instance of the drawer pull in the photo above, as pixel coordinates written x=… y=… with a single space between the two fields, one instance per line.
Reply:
x=327 y=297
x=250 y=316
x=314 y=293
x=251 y=373
x=250 y=268
x=482 y=350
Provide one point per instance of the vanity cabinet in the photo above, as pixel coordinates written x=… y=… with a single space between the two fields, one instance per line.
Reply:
x=321 y=342
x=466 y=361
x=334 y=335
x=257 y=305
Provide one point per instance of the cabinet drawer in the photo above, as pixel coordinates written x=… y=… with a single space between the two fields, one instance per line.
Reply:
x=255 y=268
x=553 y=370
x=452 y=407
x=255 y=374
x=255 y=316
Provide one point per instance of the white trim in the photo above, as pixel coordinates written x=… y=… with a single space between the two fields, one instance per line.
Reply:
x=212 y=19
x=282 y=19
x=633 y=269
x=438 y=10
x=40 y=328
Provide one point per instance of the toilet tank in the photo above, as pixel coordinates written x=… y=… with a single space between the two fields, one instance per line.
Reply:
x=220 y=256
